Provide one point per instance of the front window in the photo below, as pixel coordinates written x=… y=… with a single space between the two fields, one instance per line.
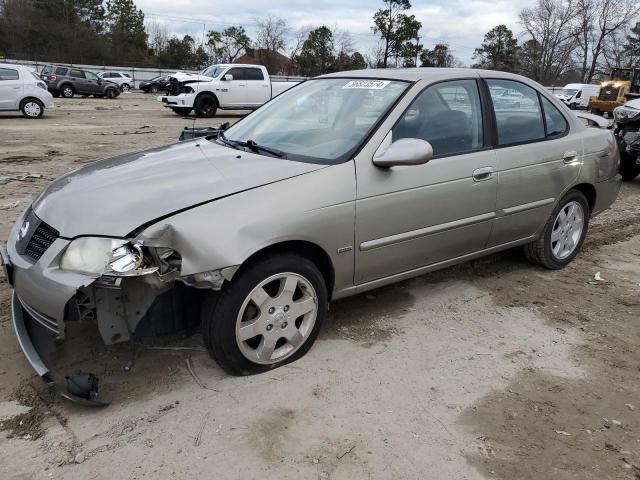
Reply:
x=569 y=92
x=319 y=121
x=213 y=71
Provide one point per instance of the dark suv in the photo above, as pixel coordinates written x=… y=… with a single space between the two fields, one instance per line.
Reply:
x=68 y=81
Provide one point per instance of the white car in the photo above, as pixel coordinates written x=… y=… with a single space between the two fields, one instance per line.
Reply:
x=227 y=87
x=124 y=80
x=576 y=95
x=22 y=90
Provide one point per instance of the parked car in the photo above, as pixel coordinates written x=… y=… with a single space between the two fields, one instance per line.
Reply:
x=226 y=87
x=122 y=79
x=344 y=183
x=627 y=131
x=155 y=85
x=576 y=95
x=22 y=90
x=69 y=81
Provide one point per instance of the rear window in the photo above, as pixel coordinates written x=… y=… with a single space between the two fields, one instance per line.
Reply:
x=46 y=70
x=253 y=74
x=9 y=74
x=61 y=71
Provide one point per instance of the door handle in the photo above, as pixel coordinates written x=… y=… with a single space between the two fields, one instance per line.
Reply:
x=482 y=174
x=570 y=156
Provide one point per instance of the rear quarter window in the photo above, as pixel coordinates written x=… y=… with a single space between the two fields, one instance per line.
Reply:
x=9 y=74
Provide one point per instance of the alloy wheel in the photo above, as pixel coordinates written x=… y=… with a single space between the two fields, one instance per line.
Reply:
x=32 y=109
x=567 y=230
x=276 y=318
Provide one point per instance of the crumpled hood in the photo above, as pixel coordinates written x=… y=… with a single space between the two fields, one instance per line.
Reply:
x=633 y=104
x=113 y=197
x=190 y=77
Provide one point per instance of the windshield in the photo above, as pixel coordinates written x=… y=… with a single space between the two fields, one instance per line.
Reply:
x=569 y=92
x=213 y=71
x=319 y=121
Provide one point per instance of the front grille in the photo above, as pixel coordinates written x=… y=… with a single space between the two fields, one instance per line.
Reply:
x=174 y=87
x=608 y=93
x=41 y=240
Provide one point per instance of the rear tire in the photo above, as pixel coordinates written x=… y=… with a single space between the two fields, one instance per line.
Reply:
x=125 y=87
x=183 y=111
x=67 y=91
x=629 y=167
x=285 y=295
x=32 y=108
x=154 y=89
x=111 y=93
x=563 y=234
x=205 y=106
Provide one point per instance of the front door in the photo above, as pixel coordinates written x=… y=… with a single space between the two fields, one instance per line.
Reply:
x=412 y=216
x=537 y=159
x=233 y=92
x=10 y=88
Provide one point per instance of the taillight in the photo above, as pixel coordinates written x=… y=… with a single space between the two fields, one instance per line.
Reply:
x=53 y=78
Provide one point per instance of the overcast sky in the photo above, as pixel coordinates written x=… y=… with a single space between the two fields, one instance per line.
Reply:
x=460 y=23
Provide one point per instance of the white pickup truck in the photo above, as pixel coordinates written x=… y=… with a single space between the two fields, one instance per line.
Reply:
x=226 y=87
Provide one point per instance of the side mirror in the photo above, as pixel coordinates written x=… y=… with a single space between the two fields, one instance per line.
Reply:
x=228 y=77
x=406 y=151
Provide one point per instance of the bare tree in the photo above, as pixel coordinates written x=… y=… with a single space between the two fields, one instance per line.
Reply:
x=296 y=46
x=271 y=33
x=158 y=35
x=375 y=56
x=610 y=17
x=549 y=26
x=616 y=53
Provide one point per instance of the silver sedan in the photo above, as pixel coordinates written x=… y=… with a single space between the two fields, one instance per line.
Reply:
x=344 y=183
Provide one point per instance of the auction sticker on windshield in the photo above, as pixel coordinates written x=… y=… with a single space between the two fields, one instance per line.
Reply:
x=368 y=84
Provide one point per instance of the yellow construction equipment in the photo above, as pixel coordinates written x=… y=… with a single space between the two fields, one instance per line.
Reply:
x=623 y=84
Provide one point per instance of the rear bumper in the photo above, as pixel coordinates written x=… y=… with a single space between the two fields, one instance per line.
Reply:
x=606 y=193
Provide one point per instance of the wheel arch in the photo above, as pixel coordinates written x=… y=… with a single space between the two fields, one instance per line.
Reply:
x=309 y=250
x=589 y=191
x=26 y=99
x=206 y=93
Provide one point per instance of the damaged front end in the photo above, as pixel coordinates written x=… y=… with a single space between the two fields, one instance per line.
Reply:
x=123 y=289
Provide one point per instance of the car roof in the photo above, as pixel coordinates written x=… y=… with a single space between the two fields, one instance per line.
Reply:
x=424 y=73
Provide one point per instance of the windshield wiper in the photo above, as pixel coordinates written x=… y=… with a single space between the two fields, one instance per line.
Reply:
x=226 y=141
x=254 y=147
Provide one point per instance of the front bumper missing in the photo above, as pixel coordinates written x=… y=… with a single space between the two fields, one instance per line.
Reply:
x=37 y=335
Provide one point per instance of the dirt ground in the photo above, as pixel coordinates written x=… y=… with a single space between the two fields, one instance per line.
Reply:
x=494 y=369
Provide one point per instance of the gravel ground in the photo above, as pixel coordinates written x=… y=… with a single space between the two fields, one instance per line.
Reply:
x=491 y=369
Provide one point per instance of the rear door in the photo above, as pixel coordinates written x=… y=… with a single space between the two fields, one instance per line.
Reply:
x=79 y=81
x=10 y=88
x=258 y=87
x=537 y=159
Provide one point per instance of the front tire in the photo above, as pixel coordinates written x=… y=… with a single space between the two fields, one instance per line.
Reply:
x=563 y=234
x=205 y=106
x=267 y=316
x=111 y=93
x=32 y=108
x=154 y=89
x=183 y=111
x=629 y=166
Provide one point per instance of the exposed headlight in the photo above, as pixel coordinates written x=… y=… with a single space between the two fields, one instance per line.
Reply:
x=105 y=256
x=625 y=114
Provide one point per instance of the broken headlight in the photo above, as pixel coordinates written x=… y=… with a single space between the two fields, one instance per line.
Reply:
x=624 y=114
x=105 y=256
